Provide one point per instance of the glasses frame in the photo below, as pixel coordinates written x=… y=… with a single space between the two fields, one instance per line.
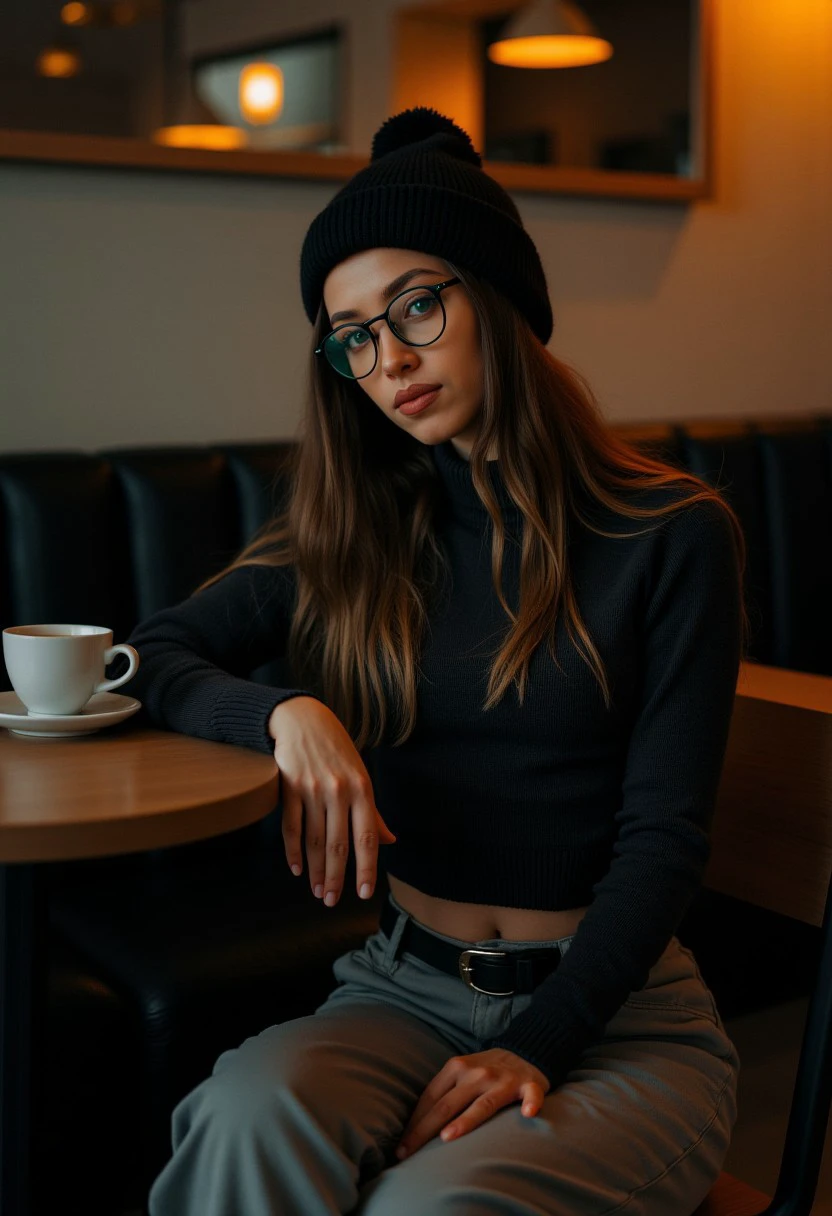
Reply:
x=436 y=288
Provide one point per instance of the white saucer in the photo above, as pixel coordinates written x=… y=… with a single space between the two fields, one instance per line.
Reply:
x=103 y=709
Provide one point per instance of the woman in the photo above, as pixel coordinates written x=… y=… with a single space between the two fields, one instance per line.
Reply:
x=533 y=632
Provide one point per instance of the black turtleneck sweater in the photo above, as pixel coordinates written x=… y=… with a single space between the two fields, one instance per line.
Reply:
x=555 y=804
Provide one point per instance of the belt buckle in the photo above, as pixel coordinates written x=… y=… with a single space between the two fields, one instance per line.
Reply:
x=465 y=970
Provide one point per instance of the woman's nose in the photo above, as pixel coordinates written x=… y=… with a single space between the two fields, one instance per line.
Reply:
x=393 y=353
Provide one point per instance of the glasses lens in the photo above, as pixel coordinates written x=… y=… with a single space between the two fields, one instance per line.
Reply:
x=416 y=316
x=351 y=351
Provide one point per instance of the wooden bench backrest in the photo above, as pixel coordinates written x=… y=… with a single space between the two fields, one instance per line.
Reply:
x=772 y=828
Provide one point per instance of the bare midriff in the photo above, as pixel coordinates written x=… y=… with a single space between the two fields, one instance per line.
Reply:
x=478 y=922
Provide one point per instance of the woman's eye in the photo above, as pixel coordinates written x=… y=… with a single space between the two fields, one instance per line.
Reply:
x=422 y=305
x=352 y=339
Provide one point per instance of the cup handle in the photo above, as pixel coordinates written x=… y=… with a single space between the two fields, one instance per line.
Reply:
x=109 y=655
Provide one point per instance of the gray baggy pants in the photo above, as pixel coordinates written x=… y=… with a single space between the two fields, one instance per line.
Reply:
x=304 y=1118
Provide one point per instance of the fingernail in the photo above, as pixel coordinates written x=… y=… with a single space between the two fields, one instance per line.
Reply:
x=365 y=890
x=329 y=898
x=296 y=868
x=401 y=1151
x=319 y=890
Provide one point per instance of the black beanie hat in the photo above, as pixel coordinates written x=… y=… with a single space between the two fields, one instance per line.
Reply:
x=425 y=189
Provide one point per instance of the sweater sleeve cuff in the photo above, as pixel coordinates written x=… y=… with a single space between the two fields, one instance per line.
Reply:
x=242 y=716
x=554 y=1051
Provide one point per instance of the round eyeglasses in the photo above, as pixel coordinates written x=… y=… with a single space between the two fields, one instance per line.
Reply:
x=416 y=316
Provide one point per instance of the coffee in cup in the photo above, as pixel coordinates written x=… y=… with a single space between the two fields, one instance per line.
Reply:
x=55 y=669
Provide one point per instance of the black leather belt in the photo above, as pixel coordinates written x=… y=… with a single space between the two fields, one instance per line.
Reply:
x=495 y=972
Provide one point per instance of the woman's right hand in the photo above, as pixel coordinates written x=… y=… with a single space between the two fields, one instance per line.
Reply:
x=320 y=770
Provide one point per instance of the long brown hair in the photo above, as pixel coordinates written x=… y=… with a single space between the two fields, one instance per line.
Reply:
x=363 y=493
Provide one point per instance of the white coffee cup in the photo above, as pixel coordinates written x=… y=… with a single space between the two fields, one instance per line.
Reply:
x=55 y=669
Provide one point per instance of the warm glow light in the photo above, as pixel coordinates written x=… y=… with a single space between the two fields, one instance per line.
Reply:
x=549 y=34
x=212 y=136
x=260 y=92
x=550 y=51
x=76 y=13
x=58 y=61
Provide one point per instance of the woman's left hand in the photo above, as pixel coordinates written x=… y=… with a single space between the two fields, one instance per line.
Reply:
x=469 y=1090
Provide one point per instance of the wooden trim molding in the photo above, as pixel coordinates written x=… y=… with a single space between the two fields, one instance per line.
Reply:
x=48 y=147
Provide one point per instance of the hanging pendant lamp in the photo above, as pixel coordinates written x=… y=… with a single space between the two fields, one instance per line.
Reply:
x=549 y=34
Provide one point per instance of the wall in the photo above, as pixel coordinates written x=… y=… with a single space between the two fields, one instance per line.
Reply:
x=144 y=308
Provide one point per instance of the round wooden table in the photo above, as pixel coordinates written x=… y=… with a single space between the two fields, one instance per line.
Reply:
x=119 y=791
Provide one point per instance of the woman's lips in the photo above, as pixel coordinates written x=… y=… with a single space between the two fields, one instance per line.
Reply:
x=419 y=403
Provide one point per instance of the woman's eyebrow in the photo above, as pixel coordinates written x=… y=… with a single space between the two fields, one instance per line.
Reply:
x=389 y=291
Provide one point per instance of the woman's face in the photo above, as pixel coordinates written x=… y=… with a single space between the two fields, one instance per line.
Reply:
x=453 y=361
